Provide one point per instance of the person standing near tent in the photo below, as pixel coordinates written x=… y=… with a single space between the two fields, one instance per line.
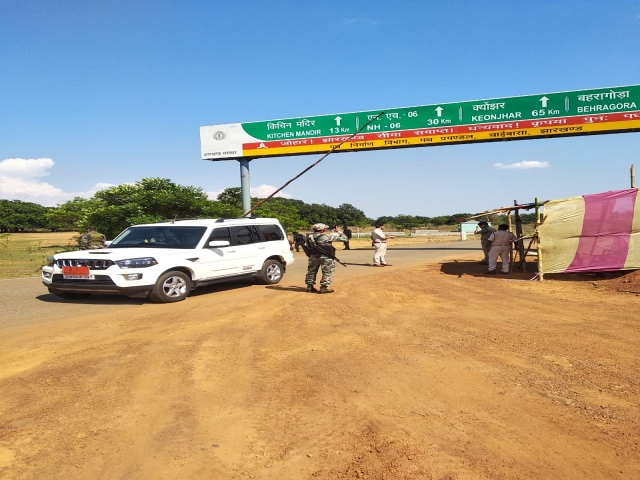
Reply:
x=485 y=232
x=499 y=247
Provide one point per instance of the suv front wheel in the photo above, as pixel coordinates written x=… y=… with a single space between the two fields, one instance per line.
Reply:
x=171 y=287
x=271 y=273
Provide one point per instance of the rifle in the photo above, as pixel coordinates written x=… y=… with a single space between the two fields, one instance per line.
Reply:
x=322 y=250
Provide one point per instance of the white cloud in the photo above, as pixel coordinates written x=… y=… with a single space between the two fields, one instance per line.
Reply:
x=19 y=180
x=365 y=21
x=523 y=165
x=213 y=195
x=31 y=168
x=261 y=191
x=264 y=190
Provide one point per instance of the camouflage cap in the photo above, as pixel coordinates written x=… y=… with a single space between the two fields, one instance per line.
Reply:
x=320 y=226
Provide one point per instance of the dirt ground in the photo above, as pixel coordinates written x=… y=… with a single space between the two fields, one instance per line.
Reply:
x=423 y=372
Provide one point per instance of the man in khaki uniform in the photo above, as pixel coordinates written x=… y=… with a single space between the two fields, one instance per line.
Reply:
x=379 y=242
x=500 y=242
x=485 y=232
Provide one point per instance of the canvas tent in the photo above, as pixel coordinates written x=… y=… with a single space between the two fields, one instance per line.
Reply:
x=590 y=233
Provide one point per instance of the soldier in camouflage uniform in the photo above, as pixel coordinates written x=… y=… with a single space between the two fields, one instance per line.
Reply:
x=321 y=256
x=92 y=240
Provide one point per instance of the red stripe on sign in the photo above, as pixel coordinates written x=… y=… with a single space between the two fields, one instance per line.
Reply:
x=606 y=231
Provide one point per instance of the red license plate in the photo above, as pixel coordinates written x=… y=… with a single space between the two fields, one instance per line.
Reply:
x=75 y=271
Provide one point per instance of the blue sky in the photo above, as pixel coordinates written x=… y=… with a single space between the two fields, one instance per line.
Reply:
x=96 y=93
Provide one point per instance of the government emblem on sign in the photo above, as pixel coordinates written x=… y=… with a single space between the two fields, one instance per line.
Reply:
x=219 y=135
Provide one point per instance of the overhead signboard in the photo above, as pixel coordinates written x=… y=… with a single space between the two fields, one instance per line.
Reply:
x=581 y=112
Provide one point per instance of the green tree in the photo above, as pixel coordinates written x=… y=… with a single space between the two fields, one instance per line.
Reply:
x=316 y=213
x=284 y=211
x=146 y=201
x=67 y=216
x=350 y=215
x=231 y=196
x=18 y=216
x=528 y=218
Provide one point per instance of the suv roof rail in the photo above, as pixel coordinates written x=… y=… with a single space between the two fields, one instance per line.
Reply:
x=172 y=220
x=237 y=218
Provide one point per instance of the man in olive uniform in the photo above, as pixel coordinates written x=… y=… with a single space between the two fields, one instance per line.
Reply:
x=321 y=256
x=92 y=240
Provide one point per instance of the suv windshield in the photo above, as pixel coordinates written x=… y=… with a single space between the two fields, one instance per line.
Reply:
x=171 y=236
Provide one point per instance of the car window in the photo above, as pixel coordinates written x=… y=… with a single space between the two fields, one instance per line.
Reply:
x=159 y=237
x=271 y=232
x=220 y=234
x=246 y=235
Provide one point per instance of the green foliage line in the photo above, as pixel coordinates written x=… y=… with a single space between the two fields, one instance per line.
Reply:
x=159 y=199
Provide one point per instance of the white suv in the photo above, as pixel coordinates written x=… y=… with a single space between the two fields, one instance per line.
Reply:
x=165 y=261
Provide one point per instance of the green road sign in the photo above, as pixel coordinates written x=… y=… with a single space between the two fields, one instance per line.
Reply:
x=527 y=114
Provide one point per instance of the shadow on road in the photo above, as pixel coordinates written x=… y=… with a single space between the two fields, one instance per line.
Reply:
x=110 y=299
x=288 y=288
x=223 y=287
x=93 y=299
x=476 y=269
x=400 y=247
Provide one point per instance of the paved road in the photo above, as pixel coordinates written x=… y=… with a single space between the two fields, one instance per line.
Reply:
x=25 y=301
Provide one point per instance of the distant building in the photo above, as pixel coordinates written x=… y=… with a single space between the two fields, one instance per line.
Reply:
x=469 y=227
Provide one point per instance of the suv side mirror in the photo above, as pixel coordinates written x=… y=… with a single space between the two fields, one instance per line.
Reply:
x=219 y=243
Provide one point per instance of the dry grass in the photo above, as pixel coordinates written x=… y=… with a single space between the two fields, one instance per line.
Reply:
x=23 y=254
x=366 y=242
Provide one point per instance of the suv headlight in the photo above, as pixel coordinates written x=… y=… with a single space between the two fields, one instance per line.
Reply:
x=137 y=262
x=51 y=261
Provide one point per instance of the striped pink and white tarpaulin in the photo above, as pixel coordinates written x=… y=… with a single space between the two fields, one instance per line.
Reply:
x=591 y=233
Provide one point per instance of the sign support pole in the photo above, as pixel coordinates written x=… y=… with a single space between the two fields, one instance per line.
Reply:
x=245 y=186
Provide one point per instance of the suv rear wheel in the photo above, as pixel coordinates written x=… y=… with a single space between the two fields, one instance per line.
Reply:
x=171 y=287
x=271 y=273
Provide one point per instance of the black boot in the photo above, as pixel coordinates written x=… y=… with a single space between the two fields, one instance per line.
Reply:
x=311 y=289
x=325 y=289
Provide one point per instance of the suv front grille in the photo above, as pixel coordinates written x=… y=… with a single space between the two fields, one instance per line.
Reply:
x=92 y=264
x=58 y=279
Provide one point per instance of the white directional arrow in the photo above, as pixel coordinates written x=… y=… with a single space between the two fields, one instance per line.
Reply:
x=439 y=110
x=544 y=101
x=337 y=119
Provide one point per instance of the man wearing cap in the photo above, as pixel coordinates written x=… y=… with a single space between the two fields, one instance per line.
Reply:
x=485 y=232
x=321 y=256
